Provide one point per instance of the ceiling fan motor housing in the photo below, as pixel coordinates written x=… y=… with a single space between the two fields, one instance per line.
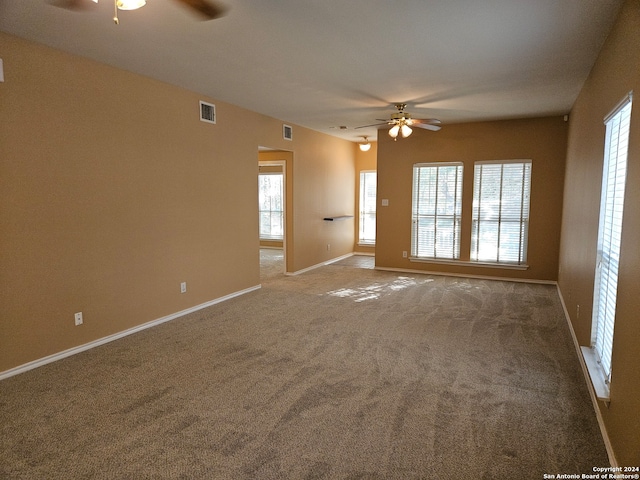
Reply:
x=401 y=115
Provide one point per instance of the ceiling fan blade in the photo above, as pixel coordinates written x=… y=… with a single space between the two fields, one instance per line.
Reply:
x=427 y=126
x=208 y=9
x=74 y=5
x=374 y=125
x=432 y=121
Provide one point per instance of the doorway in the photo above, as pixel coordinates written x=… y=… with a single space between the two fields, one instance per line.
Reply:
x=274 y=207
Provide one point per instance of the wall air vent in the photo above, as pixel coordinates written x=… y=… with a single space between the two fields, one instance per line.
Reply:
x=287 y=132
x=207 y=112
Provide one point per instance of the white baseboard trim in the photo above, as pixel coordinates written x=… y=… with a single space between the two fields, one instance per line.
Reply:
x=464 y=275
x=318 y=265
x=587 y=379
x=101 y=341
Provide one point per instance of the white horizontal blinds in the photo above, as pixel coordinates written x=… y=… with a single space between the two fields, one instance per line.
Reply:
x=367 y=208
x=271 y=206
x=610 y=232
x=500 y=217
x=436 y=210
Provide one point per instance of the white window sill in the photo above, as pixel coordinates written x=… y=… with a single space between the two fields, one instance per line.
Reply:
x=366 y=244
x=595 y=372
x=467 y=263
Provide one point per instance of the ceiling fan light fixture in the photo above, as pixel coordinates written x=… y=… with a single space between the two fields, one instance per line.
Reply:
x=401 y=122
x=365 y=146
x=130 y=4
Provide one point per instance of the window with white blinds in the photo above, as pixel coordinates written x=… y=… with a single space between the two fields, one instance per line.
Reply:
x=367 y=208
x=436 y=210
x=271 y=206
x=610 y=233
x=500 y=217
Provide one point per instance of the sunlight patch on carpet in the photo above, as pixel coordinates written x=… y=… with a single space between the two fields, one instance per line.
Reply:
x=376 y=290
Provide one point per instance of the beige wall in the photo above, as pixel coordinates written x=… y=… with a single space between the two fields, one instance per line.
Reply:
x=541 y=140
x=323 y=186
x=113 y=192
x=365 y=161
x=616 y=72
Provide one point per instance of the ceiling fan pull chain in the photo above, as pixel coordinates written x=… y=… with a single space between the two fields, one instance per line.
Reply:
x=115 y=14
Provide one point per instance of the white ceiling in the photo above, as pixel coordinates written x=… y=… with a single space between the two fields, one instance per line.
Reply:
x=329 y=63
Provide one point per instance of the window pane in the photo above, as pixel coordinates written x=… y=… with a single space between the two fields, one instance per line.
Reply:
x=500 y=214
x=271 y=206
x=436 y=210
x=265 y=224
x=367 y=207
x=610 y=235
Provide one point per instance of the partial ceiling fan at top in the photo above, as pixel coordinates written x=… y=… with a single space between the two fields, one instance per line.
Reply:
x=207 y=9
x=401 y=123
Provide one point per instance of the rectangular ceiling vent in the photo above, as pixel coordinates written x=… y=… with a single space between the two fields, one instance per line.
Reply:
x=287 y=132
x=207 y=112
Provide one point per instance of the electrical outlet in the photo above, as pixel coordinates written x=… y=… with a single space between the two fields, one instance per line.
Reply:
x=328 y=247
x=404 y=254
x=183 y=287
x=78 y=318
x=578 y=312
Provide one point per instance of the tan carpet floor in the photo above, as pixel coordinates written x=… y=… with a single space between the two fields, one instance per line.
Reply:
x=343 y=372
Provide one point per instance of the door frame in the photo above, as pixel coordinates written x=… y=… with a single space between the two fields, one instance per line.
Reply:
x=285 y=159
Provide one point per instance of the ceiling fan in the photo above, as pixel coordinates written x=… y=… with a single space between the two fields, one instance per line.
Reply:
x=401 y=123
x=207 y=9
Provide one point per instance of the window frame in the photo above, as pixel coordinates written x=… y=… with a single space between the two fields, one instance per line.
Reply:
x=417 y=253
x=522 y=219
x=271 y=211
x=364 y=208
x=598 y=357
